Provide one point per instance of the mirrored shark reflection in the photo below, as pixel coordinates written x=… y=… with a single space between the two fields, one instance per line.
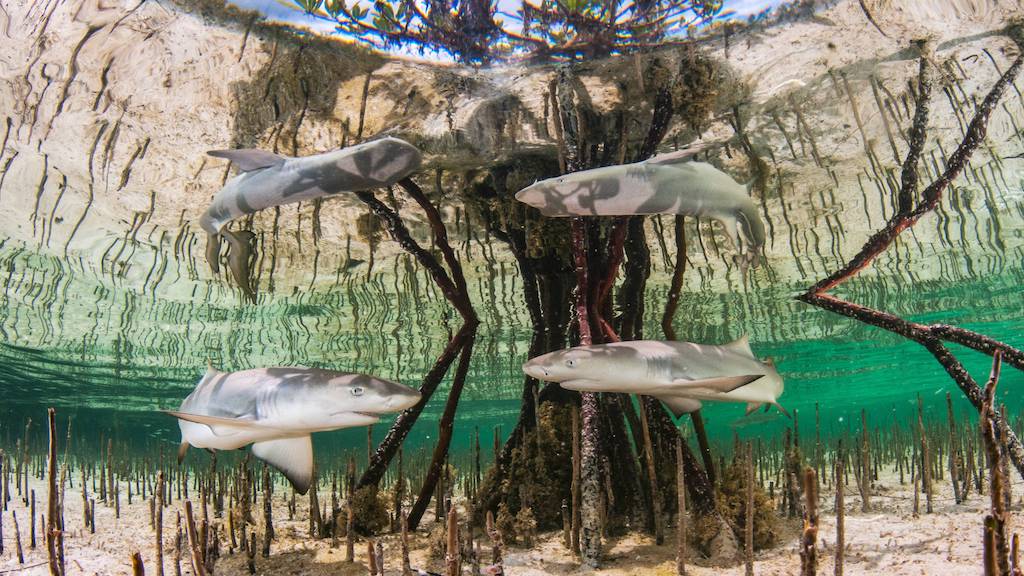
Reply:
x=268 y=179
x=667 y=184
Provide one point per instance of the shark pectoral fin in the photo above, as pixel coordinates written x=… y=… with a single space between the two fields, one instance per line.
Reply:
x=213 y=252
x=680 y=405
x=249 y=159
x=781 y=409
x=182 y=449
x=218 y=425
x=723 y=384
x=292 y=456
x=752 y=407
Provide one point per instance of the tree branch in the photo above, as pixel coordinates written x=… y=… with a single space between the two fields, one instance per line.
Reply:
x=930 y=336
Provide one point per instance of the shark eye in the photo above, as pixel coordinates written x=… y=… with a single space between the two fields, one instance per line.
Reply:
x=570 y=363
x=356 y=390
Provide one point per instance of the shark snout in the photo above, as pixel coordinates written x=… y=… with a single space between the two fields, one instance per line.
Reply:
x=402 y=400
x=535 y=370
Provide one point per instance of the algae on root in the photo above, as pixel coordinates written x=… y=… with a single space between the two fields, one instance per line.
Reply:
x=732 y=503
x=540 y=473
x=369 y=511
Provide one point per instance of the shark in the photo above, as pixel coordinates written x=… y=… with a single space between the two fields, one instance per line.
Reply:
x=267 y=179
x=276 y=410
x=680 y=374
x=666 y=184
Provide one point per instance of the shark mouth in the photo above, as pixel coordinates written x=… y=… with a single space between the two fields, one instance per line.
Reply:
x=366 y=414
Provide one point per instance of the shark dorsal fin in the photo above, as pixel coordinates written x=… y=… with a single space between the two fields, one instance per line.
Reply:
x=677 y=157
x=740 y=345
x=210 y=370
x=249 y=159
x=685 y=155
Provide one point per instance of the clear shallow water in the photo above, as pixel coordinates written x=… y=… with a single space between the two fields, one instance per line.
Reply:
x=842 y=369
x=123 y=324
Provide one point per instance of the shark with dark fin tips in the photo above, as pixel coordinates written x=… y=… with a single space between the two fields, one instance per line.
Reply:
x=276 y=410
x=680 y=374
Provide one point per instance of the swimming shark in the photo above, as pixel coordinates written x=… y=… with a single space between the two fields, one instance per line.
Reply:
x=268 y=179
x=665 y=184
x=276 y=409
x=680 y=374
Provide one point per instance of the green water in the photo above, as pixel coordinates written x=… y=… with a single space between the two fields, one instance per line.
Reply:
x=147 y=354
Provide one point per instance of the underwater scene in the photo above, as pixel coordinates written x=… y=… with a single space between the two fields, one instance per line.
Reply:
x=523 y=287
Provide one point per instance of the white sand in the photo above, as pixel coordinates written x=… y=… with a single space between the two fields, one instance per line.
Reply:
x=888 y=541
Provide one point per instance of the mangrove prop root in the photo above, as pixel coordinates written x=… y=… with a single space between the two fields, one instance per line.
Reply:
x=681 y=509
x=137 y=568
x=590 y=466
x=652 y=475
x=198 y=567
x=158 y=509
x=840 y=510
x=56 y=569
x=452 y=557
x=930 y=337
x=406 y=568
x=997 y=561
x=808 y=541
x=454 y=291
x=496 y=542
x=446 y=426
x=748 y=520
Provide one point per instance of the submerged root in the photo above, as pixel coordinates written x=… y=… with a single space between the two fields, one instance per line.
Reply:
x=369 y=512
x=540 y=472
x=716 y=535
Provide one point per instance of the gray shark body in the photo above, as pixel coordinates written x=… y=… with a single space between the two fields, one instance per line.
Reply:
x=664 y=184
x=268 y=179
x=680 y=374
x=276 y=410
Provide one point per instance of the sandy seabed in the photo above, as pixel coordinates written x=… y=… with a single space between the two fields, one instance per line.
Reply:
x=890 y=540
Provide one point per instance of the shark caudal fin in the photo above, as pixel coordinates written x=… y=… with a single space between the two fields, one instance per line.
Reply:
x=680 y=405
x=249 y=159
x=292 y=456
